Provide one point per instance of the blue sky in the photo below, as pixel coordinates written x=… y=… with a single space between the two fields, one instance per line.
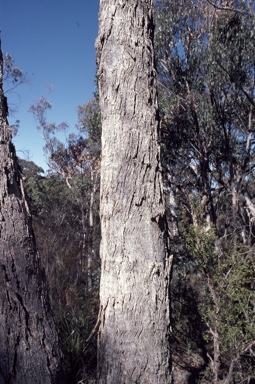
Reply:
x=52 y=41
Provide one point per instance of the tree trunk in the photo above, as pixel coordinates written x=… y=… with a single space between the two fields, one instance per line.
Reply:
x=90 y=252
x=28 y=341
x=134 y=293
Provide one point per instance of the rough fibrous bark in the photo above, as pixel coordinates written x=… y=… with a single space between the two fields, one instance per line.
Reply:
x=28 y=340
x=133 y=336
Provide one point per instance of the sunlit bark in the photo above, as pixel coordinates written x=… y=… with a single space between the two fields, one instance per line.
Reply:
x=134 y=295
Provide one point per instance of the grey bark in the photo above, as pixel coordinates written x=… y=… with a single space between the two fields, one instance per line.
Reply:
x=90 y=253
x=28 y=340
x=134 y=295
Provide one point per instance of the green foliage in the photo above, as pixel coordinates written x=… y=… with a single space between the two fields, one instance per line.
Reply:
x=65 y=208
x=48 y=130
x=201 y=246
x=205 y=63
x=59 y=221
x=216 y=305
x=74 y=330
x=12 y=76
x=29 y=168
x=89 y=123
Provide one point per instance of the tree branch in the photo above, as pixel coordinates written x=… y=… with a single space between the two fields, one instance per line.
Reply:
x=234 y=10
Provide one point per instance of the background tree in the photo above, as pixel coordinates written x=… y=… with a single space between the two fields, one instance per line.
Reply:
x=13 y=76
x=205 y=62
x=65 y=205
x=134 y=300
x=29 y=351
x=77 y=161
x=59 y=233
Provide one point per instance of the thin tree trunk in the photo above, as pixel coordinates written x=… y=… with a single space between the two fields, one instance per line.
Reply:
x=134 y=294
x=90 y=229
x=28 y=341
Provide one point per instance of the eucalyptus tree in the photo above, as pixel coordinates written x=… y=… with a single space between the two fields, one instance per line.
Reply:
x=206 y=75
x=77 y=161
x=66 y=208
x=29 y=345
x=134 y=294
x=205 y=63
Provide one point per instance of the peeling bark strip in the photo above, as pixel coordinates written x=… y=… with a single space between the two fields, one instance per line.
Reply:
x=28 y=352
x=134 y=294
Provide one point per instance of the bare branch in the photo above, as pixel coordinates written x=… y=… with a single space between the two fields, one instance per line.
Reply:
x=234 y=10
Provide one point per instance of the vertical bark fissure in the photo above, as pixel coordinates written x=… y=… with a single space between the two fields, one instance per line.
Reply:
x=134 y=293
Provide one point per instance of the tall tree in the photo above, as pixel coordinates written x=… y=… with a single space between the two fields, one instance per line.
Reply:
x=134 y=293
x=28 y=341
x=205 y=64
